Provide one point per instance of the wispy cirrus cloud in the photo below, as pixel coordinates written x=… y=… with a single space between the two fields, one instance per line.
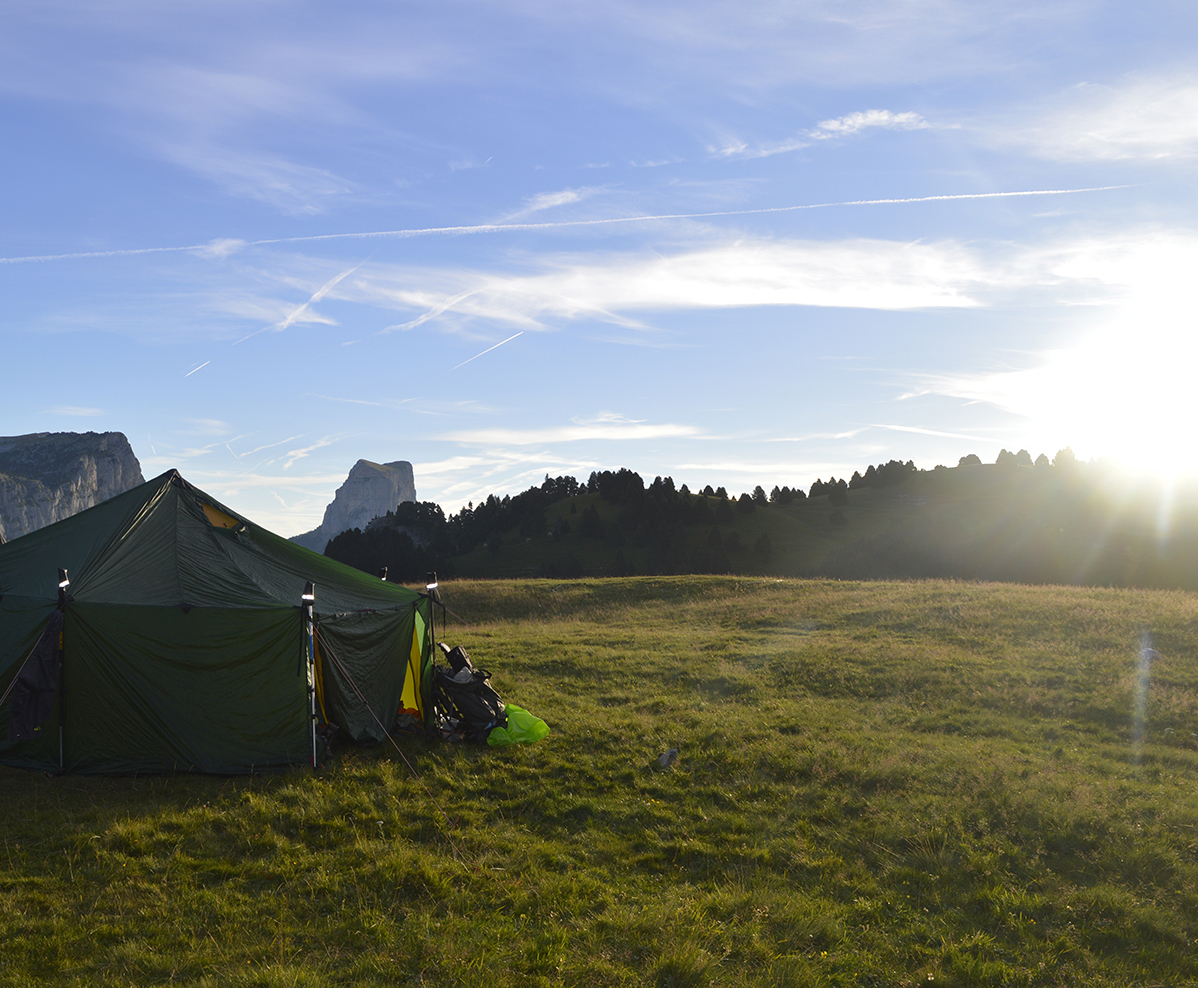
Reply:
x=764 y=468
x=605 y=426
x=207 y=427
x=293 y=456
x=623 y=289
x=1143 y=117
x=289 y=186
x=259 y=449
x=916 y=430
x=552 y=200
x=871 y=274
x=302 y=313
x=733 y=147
x=840 y=127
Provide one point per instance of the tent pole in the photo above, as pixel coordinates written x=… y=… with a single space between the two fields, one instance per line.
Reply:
x=308 y=599
x=63 y=583
x=434 y=597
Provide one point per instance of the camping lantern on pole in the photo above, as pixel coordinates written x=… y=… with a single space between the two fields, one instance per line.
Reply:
x=308 y=599
x=430 y=588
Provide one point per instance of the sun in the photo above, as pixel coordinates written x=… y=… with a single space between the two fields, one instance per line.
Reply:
x=1125 y=393
x=1123 y=390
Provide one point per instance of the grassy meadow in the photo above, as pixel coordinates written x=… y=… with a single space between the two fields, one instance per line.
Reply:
x=878 y=784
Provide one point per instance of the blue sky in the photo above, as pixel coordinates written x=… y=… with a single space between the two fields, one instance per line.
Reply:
x=734 y=243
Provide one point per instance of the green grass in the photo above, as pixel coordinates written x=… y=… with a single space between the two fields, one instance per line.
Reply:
x=879 y=784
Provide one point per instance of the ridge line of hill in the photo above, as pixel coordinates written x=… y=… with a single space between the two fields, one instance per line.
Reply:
x=1045 y=522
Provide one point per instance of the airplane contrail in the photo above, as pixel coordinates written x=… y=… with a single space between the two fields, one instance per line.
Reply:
x=194 y=369
x=557 y=224
x=488 y=350
x=435 y=311
x=320 y=293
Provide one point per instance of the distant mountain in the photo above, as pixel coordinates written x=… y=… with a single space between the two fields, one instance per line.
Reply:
x=48 y=476
x=370 y=490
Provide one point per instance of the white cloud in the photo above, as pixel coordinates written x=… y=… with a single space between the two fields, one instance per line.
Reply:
x=846 y=126
x=459 y=479
x=735 y=148
x=221 y=248
x=606 y=430
x=301 y=314
x=1142 y=118
x=294 y=455
x=854 y=123
x=551 y=200
x=925 y=432
x=259 y=449
x=870 y=274
x=609 y=417
x=207 y=427
x=245 y=172
x=758 y=469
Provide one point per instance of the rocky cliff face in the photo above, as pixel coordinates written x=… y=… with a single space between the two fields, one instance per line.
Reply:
x=370 y=490
x=48 y=476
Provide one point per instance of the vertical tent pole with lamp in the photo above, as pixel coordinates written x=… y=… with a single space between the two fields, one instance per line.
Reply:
x=63 y=582
x=308 y=599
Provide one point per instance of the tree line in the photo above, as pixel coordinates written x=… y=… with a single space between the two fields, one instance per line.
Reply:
x=418 y=537
x=666 y=528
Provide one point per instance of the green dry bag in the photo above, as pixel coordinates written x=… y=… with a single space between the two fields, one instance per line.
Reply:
x=522 y=728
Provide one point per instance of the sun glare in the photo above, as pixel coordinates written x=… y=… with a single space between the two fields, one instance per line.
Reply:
x=1124 y=394
x=1124 y=390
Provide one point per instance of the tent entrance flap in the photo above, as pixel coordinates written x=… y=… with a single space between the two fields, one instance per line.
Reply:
x=36 y=684
x=376 y=654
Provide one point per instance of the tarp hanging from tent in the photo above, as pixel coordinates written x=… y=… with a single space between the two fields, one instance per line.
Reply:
x=183 y=642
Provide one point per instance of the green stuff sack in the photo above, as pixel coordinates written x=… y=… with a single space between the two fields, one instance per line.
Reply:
x=522 y=728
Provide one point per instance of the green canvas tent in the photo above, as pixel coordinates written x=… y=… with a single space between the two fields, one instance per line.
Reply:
x=181 y=644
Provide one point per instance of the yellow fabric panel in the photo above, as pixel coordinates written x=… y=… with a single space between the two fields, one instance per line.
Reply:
x=411 y=682
x=319 y=679
x=218 y=518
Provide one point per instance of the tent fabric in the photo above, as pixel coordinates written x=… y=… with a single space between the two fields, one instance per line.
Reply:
x=184 y=647
x=36 y=684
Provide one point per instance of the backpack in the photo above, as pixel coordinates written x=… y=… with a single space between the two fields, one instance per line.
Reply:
x=468 y=704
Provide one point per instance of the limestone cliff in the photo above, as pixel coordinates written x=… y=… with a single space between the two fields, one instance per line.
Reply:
x=48 y=476
x=370 y=490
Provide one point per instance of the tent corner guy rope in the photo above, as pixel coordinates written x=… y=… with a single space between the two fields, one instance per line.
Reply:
x=325 y=650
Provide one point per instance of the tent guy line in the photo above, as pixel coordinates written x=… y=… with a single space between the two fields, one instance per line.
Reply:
x=227 y=246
